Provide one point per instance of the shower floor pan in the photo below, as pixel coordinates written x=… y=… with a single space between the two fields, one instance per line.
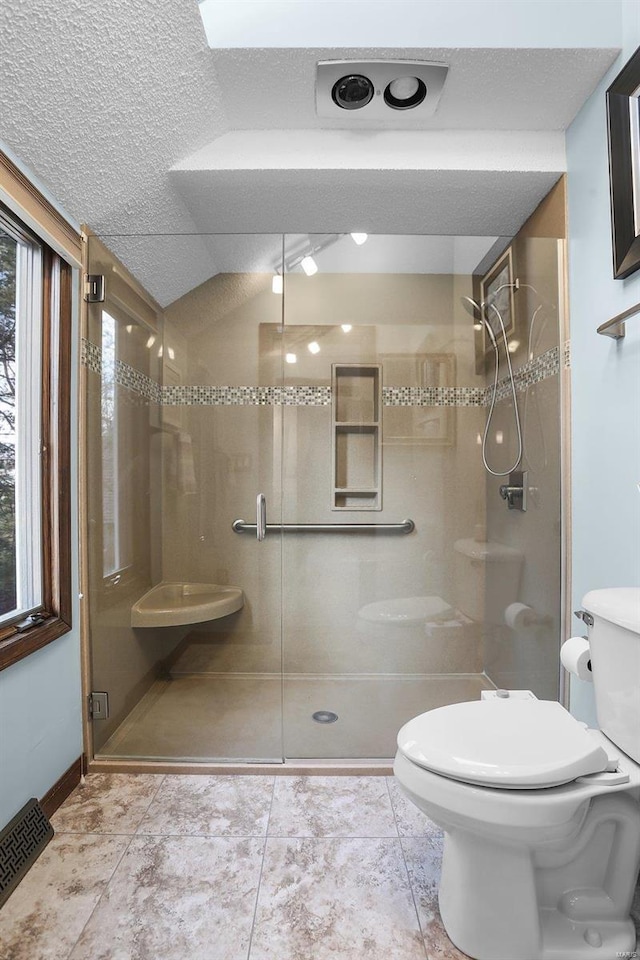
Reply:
x=241 y=717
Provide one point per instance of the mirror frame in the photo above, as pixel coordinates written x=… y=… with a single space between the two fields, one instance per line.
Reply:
x=623 y=119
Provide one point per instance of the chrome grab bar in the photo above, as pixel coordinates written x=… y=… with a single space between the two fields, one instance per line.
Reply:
x=241 y=526
x=261 y=516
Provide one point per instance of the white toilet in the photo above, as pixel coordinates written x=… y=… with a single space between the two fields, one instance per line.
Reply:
x=541 y=815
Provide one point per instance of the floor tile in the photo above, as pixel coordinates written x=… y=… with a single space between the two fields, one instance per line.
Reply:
x=224 y=806
x=45 y=915
x=411 y=821
x=107 y=803
x=423 y=856
x=173 y=898
x=324 y=899
x=331 y=807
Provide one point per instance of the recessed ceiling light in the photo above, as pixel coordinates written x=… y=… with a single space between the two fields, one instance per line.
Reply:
x=359 y=238
x=291 y=358
x=277 y=283
x=313 y=347
x=346 y=327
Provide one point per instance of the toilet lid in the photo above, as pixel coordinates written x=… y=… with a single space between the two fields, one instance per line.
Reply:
x=524 y=744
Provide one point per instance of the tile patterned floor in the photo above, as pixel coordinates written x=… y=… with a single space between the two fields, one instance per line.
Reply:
x=232 y=868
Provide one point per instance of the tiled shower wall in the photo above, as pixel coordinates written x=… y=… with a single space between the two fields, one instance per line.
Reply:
x=218 y=451
x=239 y=440
x=236 y=451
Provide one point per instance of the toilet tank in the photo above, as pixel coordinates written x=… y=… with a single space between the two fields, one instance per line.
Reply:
x=487 y=578
x=614 y=639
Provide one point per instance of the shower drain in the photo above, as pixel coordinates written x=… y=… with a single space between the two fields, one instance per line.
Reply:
x=324 y=716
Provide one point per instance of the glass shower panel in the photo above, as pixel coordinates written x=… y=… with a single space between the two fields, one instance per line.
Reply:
x=345 y=382
x=376 y=627
x=522 y=642
x=184 y=370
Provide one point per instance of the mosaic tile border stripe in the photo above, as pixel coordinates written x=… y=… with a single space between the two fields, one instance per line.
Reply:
x=132 y=379
x=247 y=396
x=530 y=373
x=91 y=356
x=433 y=396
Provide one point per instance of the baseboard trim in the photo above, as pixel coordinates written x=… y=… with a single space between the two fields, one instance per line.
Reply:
x=63 y=786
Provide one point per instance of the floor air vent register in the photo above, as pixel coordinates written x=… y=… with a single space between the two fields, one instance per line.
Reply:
x=21 y=843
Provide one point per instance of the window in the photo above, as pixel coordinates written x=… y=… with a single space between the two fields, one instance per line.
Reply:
x=117 y=523
x=20 y=427
x=35 y=309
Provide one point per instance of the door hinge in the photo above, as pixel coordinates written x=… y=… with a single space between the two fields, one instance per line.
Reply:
x=98 y=705
x=94 y=288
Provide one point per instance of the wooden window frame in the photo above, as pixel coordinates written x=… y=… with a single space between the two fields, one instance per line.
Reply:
x=55 y=464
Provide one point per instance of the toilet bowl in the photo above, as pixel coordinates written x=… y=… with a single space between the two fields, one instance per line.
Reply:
x=541 y=815
x=542 y=846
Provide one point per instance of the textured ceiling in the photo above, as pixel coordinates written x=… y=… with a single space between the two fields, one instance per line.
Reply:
x=486 y=89
x=104 y=99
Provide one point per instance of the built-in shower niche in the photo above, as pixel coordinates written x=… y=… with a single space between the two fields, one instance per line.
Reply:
x=356 y=447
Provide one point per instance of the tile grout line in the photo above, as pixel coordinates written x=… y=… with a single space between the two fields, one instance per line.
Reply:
x=406 y=867
x=264 y=853
x=163 y=777
x=131 y=837
x=106 y=886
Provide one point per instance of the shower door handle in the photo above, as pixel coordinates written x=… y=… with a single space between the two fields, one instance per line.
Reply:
x=261 y=516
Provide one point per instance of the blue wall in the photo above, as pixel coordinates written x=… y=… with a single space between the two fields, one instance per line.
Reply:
x=605 y=374
x=41 y=696
x=40 y=722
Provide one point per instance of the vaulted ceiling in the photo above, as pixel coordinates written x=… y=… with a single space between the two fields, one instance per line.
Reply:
x=136 y=126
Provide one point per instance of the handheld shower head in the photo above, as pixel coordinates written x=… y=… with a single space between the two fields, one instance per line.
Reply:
x=478 y=312
x=475 y=310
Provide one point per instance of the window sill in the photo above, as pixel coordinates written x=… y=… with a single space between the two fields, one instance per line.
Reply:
x=17 y=646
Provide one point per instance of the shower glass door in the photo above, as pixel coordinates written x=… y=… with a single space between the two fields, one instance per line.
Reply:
x=184 y=422
x=375 y=347
x=345 y=382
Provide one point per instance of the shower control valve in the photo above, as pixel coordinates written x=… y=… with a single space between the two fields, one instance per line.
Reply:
x=515 y=492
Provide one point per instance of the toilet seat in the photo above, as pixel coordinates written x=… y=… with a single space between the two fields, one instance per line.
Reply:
x=509 y=744
x=407 y=611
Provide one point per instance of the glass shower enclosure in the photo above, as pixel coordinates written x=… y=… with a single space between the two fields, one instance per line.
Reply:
x=298 y=417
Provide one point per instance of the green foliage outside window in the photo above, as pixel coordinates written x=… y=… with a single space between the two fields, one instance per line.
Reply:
x=8 y=264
